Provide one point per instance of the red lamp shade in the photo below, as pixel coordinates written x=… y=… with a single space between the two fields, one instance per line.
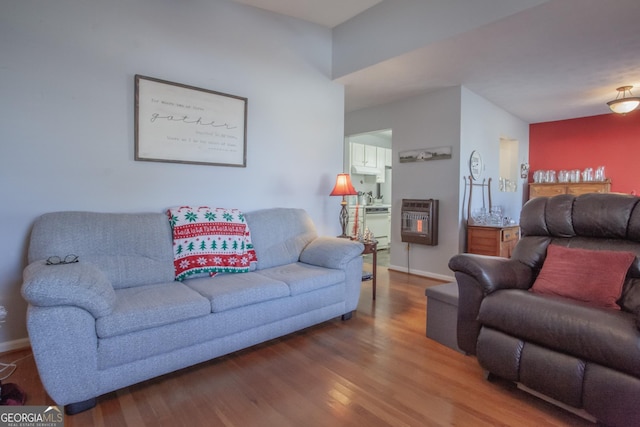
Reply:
x=343 y=186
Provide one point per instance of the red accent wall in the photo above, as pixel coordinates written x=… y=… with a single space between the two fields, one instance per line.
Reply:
x=609 y=140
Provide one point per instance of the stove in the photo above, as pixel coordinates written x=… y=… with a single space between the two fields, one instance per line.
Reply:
x=377 y=218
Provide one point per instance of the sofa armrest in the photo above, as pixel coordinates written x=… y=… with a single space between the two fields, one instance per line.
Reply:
x=79 y=284
x=65 y=347
x=478 y=276
x=331 y=252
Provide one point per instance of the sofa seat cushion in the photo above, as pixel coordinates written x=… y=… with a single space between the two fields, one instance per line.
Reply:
x=144 y=307
x=228 y=291
x=226 y=327
x=565 y=325
x=302 y=278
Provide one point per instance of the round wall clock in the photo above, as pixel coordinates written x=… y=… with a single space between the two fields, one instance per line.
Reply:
x=475 y=165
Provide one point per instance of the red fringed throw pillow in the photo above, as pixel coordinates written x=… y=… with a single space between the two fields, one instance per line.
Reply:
x=592 y=276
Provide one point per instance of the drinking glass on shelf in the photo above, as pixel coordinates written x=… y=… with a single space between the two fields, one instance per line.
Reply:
x=537 y=176
x=587 y=175
x=574 y=175
x=550 y=176
x=479 y=216
x=600 y=174
x=495 y=216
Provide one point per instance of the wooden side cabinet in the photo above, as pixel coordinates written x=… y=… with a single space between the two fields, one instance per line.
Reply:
x=492 y=240
x=575 y=188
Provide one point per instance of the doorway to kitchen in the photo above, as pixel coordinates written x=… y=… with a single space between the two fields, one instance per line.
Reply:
x=368 y=159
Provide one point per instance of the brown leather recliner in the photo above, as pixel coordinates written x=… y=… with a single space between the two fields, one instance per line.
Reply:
x=585 y=357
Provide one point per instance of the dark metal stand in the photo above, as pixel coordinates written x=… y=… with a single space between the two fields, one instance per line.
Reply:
x=344 y=218
x=485 y=184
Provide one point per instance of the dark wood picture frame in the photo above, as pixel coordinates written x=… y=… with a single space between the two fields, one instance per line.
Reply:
x=177 y=123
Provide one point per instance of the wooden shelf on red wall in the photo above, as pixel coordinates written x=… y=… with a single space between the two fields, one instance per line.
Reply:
x=575 y=188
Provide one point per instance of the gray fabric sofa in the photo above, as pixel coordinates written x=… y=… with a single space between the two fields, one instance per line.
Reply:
x=117 y=317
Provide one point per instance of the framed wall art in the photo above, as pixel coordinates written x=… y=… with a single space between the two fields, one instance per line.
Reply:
x=185 y=124
x=425 y=154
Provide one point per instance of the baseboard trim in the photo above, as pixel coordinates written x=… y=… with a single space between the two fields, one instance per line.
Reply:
x=19 y=344
x=422 y=273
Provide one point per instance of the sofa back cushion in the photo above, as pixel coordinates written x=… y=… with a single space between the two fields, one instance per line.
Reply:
x=131 y=249
x=596 y=215
x=279 y=235
x=595 y=221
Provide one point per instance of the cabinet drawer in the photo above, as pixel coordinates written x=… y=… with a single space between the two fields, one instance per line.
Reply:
x=483 y=245
x=587 y=188
x=495 y=241
x=509 y=234
x=482 y=233
x=546 y=190
x=483 y=251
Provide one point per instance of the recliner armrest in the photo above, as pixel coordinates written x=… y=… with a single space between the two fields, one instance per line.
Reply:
x=79 y=284
x=331 y=252
x=493 y=273
x=478 y=276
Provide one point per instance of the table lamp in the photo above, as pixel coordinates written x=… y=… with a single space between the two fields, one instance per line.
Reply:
x=343 y=188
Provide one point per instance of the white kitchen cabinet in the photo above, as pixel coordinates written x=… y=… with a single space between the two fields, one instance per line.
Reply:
x=357 y=154
x=383 y=160
x=381 y=157
x=363 y=155
x=370 y=155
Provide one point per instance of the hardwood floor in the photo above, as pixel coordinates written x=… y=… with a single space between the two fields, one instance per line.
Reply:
x=377 y=369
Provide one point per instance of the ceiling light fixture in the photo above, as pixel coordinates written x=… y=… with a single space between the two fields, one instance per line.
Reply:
x=624 y=104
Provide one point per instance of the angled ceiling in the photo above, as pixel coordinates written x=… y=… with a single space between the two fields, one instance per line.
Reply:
x=558 y=59
x=329 y=13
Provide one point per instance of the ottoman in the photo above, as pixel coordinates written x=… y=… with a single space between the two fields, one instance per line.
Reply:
x=442 y=314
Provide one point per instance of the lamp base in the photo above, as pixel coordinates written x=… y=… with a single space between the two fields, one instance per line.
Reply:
x=344 y=218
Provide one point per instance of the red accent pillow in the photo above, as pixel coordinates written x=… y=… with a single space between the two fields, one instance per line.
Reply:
x=592 y=276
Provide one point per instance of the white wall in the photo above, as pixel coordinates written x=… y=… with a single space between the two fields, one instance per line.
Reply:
x=482 y=126
x=453 y=116
x=431 y=120
x=66 y=114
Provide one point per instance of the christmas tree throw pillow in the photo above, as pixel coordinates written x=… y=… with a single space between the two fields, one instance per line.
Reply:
x=209 y=241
